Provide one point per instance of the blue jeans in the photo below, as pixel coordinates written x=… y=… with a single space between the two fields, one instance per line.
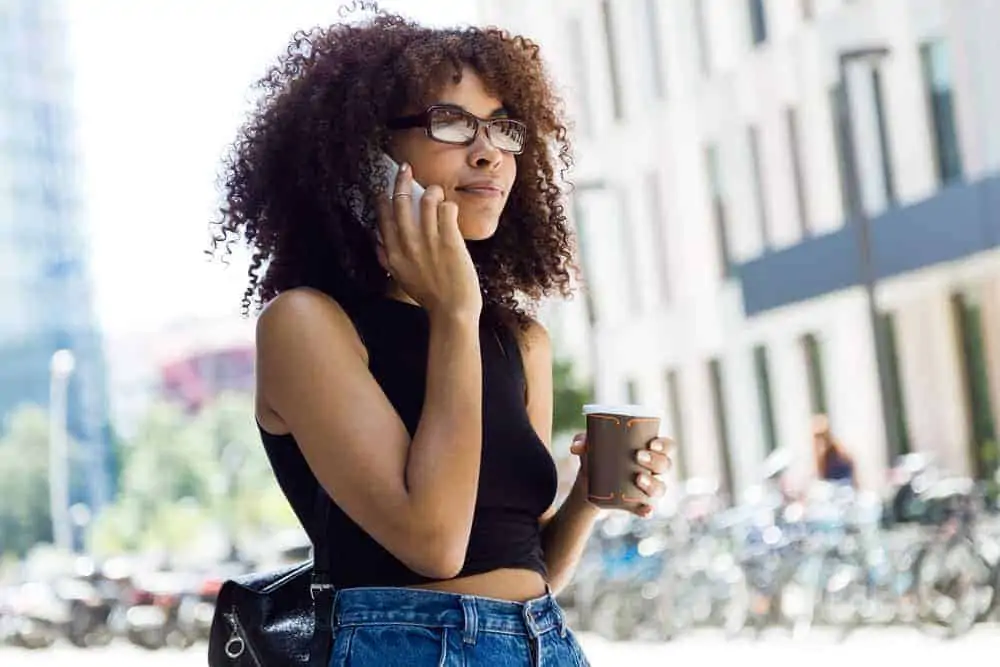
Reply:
x=390 y=627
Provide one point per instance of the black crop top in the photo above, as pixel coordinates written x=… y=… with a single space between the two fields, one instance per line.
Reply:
x=517 y=479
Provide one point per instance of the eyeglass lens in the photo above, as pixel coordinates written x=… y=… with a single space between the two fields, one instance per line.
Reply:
x=454 y=126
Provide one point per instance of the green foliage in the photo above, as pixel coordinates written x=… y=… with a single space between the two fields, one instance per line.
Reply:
x=180 y=477
x=569 y=397
x=24 y=486
x=183 y=477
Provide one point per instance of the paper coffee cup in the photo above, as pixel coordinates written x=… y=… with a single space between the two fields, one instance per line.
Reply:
x=615 y=432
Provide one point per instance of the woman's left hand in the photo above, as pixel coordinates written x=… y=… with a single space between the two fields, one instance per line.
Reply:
x=654 y=461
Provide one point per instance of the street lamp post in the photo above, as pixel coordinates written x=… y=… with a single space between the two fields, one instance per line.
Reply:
x=60 y=368
x=857 y=211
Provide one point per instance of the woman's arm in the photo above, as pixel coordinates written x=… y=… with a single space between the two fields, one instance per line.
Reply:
x=564 y=532
x=415 y=497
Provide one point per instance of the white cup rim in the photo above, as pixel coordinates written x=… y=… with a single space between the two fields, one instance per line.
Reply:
x=621 y=410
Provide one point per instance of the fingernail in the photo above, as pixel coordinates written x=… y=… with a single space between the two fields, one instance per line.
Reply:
x=643 y=456
x=656 y=445
x=405 y=167
x=643 y=481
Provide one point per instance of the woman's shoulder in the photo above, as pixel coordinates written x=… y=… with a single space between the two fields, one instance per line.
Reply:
x=532 y=338
x=304 y=316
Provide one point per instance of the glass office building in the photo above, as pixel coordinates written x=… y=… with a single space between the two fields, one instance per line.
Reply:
x=46 y=294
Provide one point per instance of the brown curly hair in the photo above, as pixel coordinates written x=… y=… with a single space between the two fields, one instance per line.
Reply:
x=301 y=176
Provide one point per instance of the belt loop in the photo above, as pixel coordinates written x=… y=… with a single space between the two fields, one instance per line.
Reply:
x=333 y=610
x=529 y=621
x=557 y=609
x=471 y=614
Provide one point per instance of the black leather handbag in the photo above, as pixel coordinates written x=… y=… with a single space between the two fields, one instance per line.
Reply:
x=278 y=618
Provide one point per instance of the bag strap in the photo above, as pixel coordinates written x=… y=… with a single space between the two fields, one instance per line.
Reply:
x=321 y=586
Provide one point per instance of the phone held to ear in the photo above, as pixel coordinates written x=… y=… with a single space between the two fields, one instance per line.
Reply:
x=390 y=186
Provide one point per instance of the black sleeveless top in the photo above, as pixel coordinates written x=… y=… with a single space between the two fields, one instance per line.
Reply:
x=517 y=479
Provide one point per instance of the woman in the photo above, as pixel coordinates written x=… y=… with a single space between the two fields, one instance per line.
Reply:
x=396 y=365
x=833 y=462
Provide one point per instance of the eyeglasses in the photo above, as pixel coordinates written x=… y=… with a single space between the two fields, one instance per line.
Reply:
x=453 y=125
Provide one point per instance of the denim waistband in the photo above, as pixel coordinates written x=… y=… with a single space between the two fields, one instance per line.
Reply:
x=469 y=613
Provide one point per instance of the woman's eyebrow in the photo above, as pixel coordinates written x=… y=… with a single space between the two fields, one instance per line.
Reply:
x=499 y=112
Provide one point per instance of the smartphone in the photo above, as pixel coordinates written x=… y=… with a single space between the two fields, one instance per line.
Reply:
x=390 y=185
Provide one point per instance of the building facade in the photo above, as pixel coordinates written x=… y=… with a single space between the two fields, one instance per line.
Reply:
x=45 y=288
x=721 y=244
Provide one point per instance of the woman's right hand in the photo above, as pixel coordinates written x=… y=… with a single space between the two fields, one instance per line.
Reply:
x=428 y=257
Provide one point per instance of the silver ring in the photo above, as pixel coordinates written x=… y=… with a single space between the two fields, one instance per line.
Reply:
x=402 y=195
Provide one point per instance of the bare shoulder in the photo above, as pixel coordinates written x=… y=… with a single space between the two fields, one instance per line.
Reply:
x=295 y=330
x=533 y=340
x=305 y=316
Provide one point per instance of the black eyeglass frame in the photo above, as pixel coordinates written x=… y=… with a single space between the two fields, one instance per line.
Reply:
x=423 y=119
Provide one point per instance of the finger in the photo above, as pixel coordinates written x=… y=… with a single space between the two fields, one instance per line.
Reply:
x=402 y=204
x=656 y=462
x=448 y=218
x=649 y=485
x=383 y=260
x=643 y=511
x=661 y=445
x=388 y=234
x=579 y=444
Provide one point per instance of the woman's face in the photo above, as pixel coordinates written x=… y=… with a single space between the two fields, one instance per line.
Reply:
x=477 y=177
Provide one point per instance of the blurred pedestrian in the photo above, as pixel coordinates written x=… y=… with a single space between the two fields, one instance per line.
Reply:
x=397 y=366
x=833 y=462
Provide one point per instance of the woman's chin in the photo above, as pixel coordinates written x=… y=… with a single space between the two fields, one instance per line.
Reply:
x=477 y=230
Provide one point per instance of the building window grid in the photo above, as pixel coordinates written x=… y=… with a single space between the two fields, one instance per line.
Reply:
x=719 y=213
x=765 y=397
x=655 y=55
x=758 y=21
x=607 y=19
x=759 y=187
x=798 y=171
x=941 y=111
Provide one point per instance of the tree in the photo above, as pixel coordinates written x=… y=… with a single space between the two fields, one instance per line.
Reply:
x=24 y=484
x=184 y=477
x=569 y=397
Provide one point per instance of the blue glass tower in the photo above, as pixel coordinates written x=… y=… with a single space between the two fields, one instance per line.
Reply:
x=46 y=295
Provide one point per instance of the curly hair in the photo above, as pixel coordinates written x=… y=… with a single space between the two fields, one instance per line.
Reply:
x=300 y=179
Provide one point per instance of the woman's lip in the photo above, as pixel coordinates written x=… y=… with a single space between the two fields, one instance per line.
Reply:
x=482 y=190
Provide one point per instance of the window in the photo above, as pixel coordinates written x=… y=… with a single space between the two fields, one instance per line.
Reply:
x=658 y=225
x=758 y=21
x=968 y=318
x=885 y=152
x=897 y=405
x=765 y=398
x=813 y=354
x=941 y=103
x=844 y=170
x=702 y=41
x=587 y=259
x=629 y=247
x=581 y=77
x=718 y=203
x=798 y=176
x=655 y=56
x=607 y=18
x=676 y=413
x=721 y=424
x=632 y=392
x=757 y=175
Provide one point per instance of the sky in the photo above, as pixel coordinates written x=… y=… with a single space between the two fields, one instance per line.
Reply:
x=161 y=87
